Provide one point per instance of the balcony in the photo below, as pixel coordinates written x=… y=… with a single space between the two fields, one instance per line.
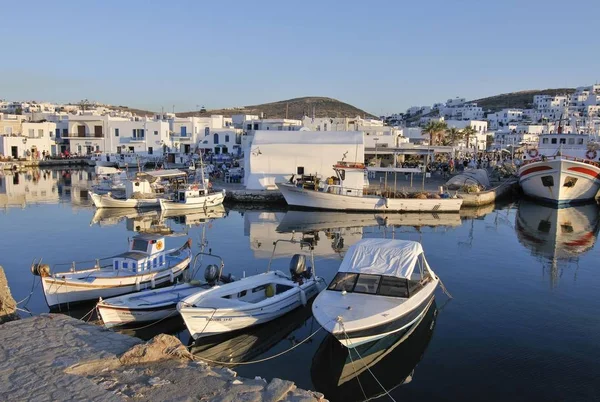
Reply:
x=79 y=135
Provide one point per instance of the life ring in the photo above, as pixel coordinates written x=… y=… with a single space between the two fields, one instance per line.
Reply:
x=159 y=245
x=591 y=154
x=533 y=152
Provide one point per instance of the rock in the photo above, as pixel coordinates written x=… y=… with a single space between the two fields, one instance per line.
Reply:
x=277 y=389
x=157 y=381
x=161 y=347
x=8 y=305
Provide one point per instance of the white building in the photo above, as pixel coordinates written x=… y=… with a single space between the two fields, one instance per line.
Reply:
x=274 y=156
x=34 y=140
x=504 y=117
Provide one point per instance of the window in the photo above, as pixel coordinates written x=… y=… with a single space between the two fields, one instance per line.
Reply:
x=31 y=132
x=553 y=141
x=343 y=281
x=133 y=266
x=154 y=261
x=367 y=284
x=125 y=265
x=155 y=132
x=566 y=228
x=571 y=141
x=563 y=141
x=116 y=264
x=548 y=181
x=138 y=133
x=570 y=181
x=65 y=132
x=226 y=138
x=580 y=141
x=116 y=132
x=207 y=130
x=40 y=133
x=139 y=245
x=395 y=287
x=150 y=150
x=216 y=138
x=544 y=140
x=248 y=127
x=183 y=131
x=256 y=126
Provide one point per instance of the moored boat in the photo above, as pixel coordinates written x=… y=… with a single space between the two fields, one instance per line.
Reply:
x=564 y=169
x=348 y=193
x=250 y=301
x=382 y=287
x=145 y=265
x=157 y=304
x=193 y=197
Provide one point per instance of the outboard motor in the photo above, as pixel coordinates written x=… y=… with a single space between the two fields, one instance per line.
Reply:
x=211 y=274
x=297 y=266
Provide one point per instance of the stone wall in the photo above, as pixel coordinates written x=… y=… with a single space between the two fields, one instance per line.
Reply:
x=8 y=306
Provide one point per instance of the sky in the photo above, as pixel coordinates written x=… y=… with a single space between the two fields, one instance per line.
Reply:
x=381 y=56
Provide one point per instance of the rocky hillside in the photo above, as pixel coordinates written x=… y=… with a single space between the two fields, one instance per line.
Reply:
x=292 y=108
x=521 y=99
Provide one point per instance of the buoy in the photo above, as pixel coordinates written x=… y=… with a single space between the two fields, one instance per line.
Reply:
x=303 y=297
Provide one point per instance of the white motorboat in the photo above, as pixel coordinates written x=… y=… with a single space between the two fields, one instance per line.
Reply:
x=193 y=197
x=564 y=169
x=157 y=304
x=145 y=265
x=382 y=287
x=347 y=192
x=250 y=301
x=142 y=192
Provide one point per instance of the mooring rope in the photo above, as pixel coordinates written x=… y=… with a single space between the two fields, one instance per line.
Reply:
x=260 y=360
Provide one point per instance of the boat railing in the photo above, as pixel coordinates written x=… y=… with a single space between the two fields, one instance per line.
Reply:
x=73 y=265
x=553 y=157
x=341 y=190
x=302 y=243
x=194 y=269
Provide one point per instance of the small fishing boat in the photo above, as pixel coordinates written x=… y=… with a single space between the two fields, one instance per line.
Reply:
x=382 y=287
x=142 y=192
x=347 y=192
x=193 y=197
x=250 y=301
x=145 y=265
x=157 y=304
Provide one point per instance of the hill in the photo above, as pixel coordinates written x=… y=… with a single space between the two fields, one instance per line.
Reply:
x=521 y=99
x=292 y=108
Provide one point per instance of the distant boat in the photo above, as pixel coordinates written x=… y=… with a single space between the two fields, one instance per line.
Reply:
x=564 y=169
x=142 y=192
x=382 y=287
x=347 y=193
x=145 y=265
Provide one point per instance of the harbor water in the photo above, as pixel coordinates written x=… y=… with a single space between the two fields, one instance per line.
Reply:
x=522 y=323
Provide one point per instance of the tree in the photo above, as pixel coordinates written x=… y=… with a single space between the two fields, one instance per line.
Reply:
x=435 y=130
x=468 y=132
x=453 y=136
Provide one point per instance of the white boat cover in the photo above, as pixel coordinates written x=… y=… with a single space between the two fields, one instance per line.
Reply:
x=382 y=257
x=165 y=173
x=468 y=177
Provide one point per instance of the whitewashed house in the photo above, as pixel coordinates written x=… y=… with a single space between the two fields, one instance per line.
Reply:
x=274 y=156
x=31 y=142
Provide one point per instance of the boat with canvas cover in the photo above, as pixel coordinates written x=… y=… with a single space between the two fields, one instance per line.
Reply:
x=145 y=265
x=158 y=304
x=382 y=287
x=142 y=192
x=252 y=300
x=347 y=192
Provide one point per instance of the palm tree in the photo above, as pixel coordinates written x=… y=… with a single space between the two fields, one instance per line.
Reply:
x=435 y=130
x=453 y=135
x=468 y=132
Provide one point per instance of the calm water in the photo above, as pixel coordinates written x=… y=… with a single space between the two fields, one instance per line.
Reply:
x=523 y=323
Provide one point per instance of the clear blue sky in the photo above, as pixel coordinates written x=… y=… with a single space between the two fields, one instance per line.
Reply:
x=380 y=56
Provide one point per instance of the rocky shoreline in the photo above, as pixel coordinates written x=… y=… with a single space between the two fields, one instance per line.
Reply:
x=53 y=357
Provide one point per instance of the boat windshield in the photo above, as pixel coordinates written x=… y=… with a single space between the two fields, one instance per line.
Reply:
x=376 y=284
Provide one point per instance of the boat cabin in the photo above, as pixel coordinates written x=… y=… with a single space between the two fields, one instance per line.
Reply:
x=350 y=179
x=383 y=267
x=146 y=252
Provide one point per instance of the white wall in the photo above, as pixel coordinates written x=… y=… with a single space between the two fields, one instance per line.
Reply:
x=273 y=156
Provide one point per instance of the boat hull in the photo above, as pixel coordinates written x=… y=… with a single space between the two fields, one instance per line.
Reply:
x=545 y=180
x=203 y=322
x=299 y=197
x=107 y=201
x=194 y=203
x=59 y=291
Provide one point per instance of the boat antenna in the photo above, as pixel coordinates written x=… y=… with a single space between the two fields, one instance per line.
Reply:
x=560 y=129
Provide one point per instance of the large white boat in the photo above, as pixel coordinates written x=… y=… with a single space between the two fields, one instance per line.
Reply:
x=563 y=169
x=347 y=192
x=250 y=301
x=145 y=265
x=382 y=287
x=143 y=191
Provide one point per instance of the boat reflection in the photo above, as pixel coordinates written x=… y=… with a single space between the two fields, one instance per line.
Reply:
x=246 y=345
x=557 y=234
x=195 y=216
x=392 y=360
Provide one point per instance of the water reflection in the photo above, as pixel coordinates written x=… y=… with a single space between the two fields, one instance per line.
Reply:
x=557 y=234
x=44 y=186
x=246 y=345
x=344 y=374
